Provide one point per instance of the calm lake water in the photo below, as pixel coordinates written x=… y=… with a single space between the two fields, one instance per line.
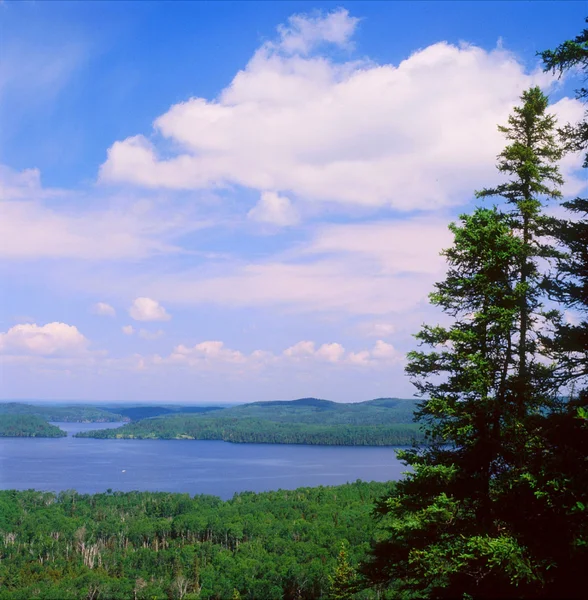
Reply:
x=195 y=467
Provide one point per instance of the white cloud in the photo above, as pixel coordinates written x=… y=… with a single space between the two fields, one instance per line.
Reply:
x=211 y=356
x=336 y=353
x=300 y=350
x=52 y=339
x=569 y=110
x=274 y=209
x=419 y=135
x=385 y=351
x=128 y=329
x=361 y=358
x=103 y=309
x=406 y=246
x=304 y=32
x=367 y=268
x=146 y=309
x=33 y=226
x=331 y=352
x=206 y=352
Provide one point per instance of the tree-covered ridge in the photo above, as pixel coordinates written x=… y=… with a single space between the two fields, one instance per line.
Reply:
x=281 y=544
x=259 y=431
x=136 y=413
x=64 y=414
x=382 y=411
x=27 y=426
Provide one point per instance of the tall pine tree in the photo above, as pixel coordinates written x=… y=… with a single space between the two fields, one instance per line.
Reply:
x=570 y=281
x=557 y=525
x=452 y=528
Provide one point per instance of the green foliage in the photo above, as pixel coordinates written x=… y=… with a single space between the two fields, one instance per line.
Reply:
x=257 y=431
x=312 y=411
x=465 y=522
x=27 y=426
x=62 y=414
x=343 y=582
x=572 y=54
x=381 y=422
x=569 y=283
x=281 y=544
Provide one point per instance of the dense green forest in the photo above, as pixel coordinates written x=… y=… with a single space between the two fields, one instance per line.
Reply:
x=65 y=414
x=381 y=422
x=313 y=411
x=281 y=544
x=258 y=431
x=28 y=426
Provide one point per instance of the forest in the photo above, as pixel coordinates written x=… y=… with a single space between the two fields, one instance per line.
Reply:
x=282 y=544
x=380 y=422
x=28 y=426
x=258 y=431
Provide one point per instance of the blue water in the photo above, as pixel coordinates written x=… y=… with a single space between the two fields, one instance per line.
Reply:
x=194 y=467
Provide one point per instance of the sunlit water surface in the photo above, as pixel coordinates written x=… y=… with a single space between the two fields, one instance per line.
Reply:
x=194 y=467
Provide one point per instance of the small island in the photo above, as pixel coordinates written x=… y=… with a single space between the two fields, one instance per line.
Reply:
x=28 y=426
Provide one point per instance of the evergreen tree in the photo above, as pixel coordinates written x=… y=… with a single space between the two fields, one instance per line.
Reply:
x=530 y=161
x=572 y=54
x=569 y=285
x=556 y=527
x=343 y=582
x=454 y=526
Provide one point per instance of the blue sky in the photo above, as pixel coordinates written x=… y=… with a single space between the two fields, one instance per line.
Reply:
x=243 y=201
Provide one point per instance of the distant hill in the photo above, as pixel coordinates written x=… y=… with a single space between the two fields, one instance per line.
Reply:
x=136 y=413
x=312 y=402
x=381 y=411
x=65 y=414
x=380 y=422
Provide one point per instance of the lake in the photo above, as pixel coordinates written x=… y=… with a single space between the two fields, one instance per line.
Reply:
x=194 y=467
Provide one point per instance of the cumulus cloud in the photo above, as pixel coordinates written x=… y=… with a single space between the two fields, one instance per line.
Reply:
x=304 y=354
x=304 y=350
x=331 y=352
x=417 y=135
x=384 y=351
x=336 y=353
x=128 y=329
x=300 y=350
x=52 y=339
x=103 y=309
x=206 y=353
x=147 y=309
x=274 y=209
